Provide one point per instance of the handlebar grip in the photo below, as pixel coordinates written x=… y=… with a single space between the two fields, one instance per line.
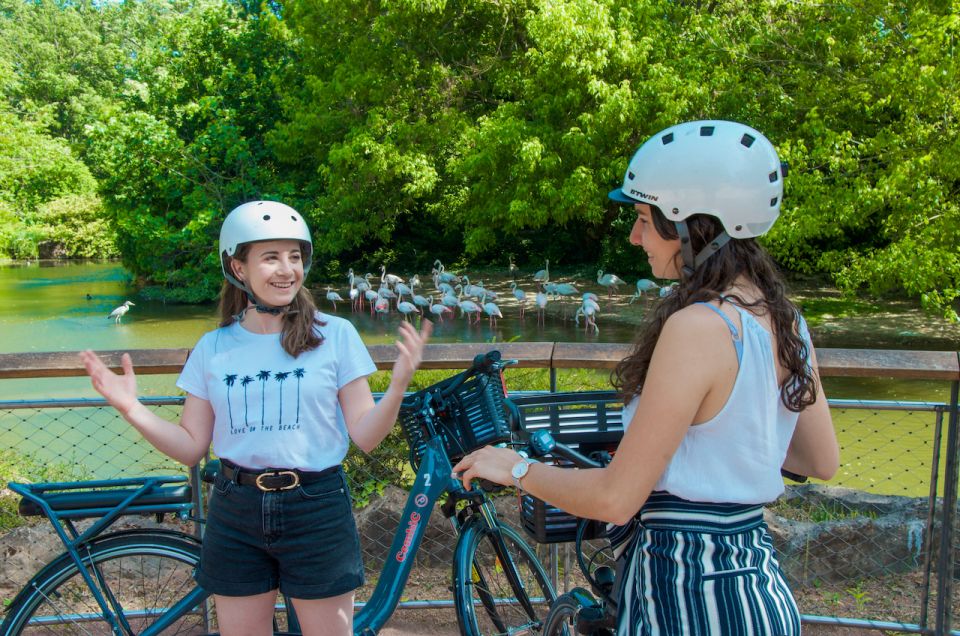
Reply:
x=482 y=362
x=578 y=459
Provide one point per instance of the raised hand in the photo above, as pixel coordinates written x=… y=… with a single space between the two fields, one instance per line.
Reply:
x=119 y=390
x=410 y=351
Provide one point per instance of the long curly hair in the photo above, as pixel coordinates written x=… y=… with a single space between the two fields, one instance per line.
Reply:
x=300 y=323
x=739 y=257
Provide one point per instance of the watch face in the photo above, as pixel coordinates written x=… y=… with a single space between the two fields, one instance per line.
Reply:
x=520 y=469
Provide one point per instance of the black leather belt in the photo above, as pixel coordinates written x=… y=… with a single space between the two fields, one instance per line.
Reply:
x=272 y=479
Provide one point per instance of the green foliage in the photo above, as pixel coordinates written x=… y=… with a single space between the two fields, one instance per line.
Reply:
x=407 y=131
x=27 y=468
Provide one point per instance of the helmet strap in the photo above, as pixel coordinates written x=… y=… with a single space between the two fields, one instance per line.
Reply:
x=691 y=262
x=261 y=308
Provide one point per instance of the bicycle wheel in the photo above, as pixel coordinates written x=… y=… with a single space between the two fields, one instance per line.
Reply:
x=577 y=612
x=145 y=572
x=500 y=587
x=562 y=617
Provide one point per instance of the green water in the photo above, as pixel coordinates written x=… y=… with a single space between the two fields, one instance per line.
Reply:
x=64 y=307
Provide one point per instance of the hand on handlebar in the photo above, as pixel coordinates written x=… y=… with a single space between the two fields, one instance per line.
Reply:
x=490 y=463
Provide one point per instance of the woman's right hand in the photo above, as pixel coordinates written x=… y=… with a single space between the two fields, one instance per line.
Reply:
x=119 y=390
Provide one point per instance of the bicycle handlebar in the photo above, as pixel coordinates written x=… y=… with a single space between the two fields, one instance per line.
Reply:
x=482 y=363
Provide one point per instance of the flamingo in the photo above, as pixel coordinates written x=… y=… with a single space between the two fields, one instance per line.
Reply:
x=514 y=270
x=667 y=290
x=468 y=308
x=588 y=310
x=389 y=279
x=521 y=297
x=333 y=297
x=543 y=275
x=372 y=298
x=356 y=299
x=610 y=281
x=492 y=311
x=382 y=306
x=444 y=276
x=120 y=311
x=420 y=301
x=643 y=285
x=402 y=290
x=415 y=281
x=541 y=306
x=450 y=300
x=439 y=309
x=406 y=309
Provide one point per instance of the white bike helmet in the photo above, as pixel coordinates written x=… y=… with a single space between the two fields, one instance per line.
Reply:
x=720 y=168
x=262 y=221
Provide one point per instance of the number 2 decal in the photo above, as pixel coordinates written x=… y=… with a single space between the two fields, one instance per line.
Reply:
x=426 y=480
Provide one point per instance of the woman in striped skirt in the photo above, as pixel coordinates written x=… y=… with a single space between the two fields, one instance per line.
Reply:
x=722 y=391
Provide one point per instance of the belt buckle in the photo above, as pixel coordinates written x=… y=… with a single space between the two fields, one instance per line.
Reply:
x=294 y=484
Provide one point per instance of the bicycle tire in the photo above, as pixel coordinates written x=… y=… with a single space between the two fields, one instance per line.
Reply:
x=487 y=601
x=147 y=571
x=562 y=618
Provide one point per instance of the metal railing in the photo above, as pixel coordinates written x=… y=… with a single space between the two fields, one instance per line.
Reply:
x=877 y=553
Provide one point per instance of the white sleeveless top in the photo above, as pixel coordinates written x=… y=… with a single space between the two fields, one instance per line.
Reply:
x=735 y=457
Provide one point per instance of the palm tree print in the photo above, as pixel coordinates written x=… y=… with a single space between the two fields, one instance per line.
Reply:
x=263 y=376
x=280 y=376
x=230 y=379
x=298 y=374
x=244 y=381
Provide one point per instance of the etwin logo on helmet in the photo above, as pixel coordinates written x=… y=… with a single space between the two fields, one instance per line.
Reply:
x=643 y=195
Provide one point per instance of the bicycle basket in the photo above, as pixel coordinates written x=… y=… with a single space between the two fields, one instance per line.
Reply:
x=549 y=524
x=472 y=415
x=584 y=420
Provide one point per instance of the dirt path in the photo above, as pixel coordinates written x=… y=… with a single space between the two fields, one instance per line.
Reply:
x=444 y=623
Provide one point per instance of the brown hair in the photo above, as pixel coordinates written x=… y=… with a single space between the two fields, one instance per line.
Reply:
x=739 y=257
x=300 y=321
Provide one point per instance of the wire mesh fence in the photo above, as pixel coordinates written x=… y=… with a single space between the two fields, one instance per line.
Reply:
x=866 y=547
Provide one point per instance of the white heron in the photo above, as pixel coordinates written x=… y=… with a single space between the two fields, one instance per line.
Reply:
x=611 y=281
x=120 y=311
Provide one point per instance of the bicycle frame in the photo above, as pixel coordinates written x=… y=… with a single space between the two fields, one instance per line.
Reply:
x=434 y=477
x=74 y=541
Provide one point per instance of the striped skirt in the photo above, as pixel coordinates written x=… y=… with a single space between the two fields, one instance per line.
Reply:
x=703 y=569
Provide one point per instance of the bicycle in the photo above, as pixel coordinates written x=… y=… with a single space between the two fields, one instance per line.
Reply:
x=140 y=581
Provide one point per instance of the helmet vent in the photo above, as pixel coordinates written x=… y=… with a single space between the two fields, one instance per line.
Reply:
x=773 y=176
x=773 y=201
x=293 y=218
x=706 y=131
x=738 y=228
x=747 y=140
x=266 y=217
x=632 y=176
x=667 y=139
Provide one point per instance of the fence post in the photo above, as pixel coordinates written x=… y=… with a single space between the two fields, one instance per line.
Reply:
x=949 y=510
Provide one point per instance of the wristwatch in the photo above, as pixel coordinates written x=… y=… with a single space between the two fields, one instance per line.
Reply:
x=519 y=470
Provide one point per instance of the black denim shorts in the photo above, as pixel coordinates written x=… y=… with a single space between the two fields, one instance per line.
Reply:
x=303 y=541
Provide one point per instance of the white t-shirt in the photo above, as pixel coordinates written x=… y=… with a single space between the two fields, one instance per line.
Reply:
x=273 y=410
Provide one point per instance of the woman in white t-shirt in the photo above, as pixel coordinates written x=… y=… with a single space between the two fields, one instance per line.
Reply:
x=722 y=391
x=279 y=389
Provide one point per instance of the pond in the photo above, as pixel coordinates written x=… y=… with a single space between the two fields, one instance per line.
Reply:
x=65 y=306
